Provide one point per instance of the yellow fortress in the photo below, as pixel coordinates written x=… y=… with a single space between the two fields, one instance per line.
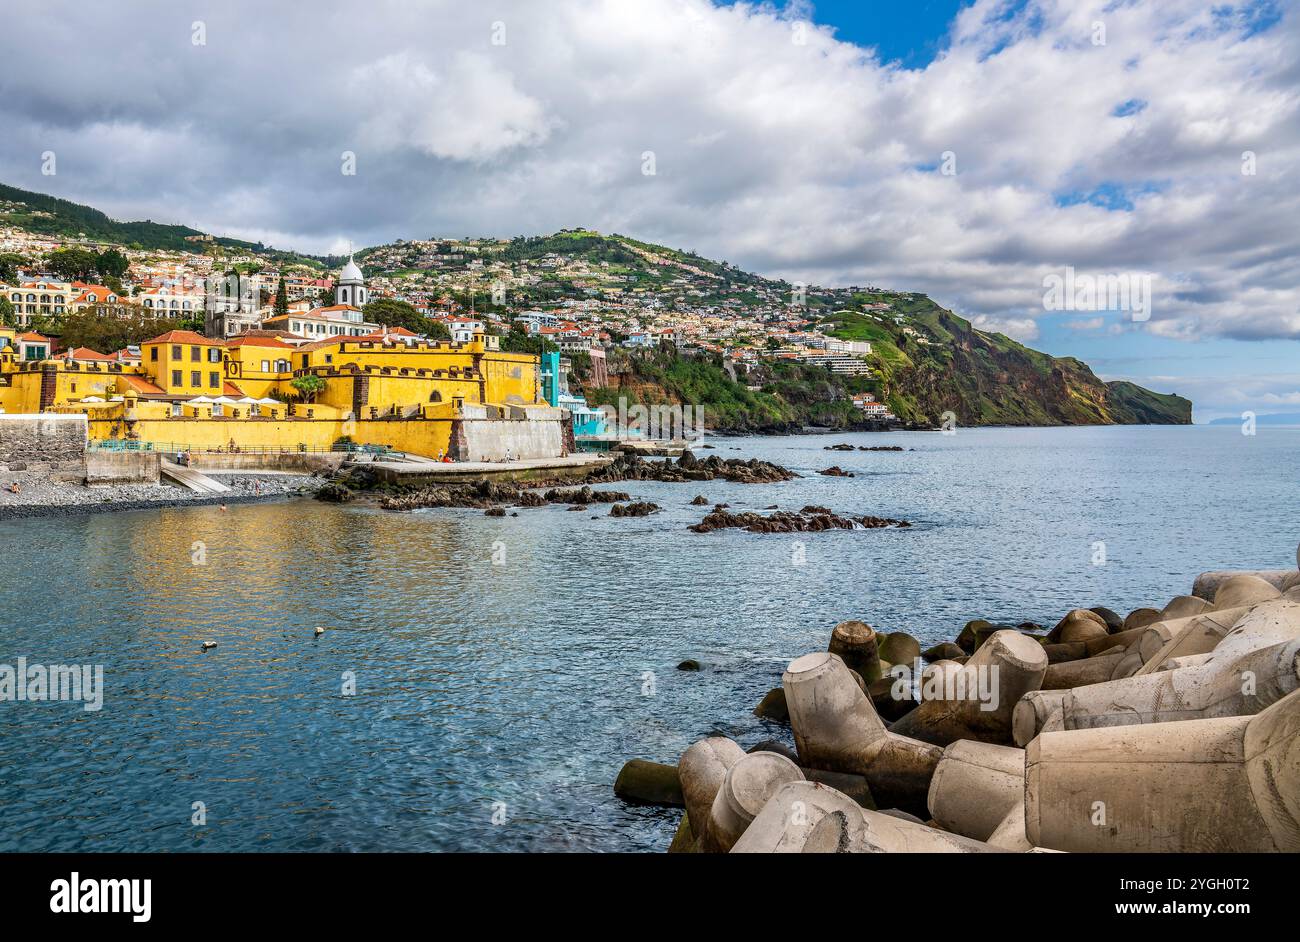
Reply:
x=468 y=401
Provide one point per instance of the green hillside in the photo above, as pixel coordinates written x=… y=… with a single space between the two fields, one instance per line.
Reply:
x=931 y=361
x=49 y=215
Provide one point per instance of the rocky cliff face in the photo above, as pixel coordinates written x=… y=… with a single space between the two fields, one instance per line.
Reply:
x=937 y=362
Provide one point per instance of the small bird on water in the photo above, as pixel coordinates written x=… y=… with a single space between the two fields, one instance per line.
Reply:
x=209 y=644
x=319 y=631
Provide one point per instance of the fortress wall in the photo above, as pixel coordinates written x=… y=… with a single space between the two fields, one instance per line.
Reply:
x=43 y=442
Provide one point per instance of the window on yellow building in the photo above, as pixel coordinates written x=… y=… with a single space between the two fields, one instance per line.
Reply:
x=153 y=354
x=214 y=380
x=176 y=378
x=266 y=366
x=195 y=354
x=176 y=353
x=196 y=378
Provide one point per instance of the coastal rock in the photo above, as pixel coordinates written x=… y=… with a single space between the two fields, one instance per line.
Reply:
x=637 y=509
x=842 y=446
x=690 y=664
x=700 y=501
x=632 y=467
x=880 y=448
x=810 y=519
x=835 y=471
x=495 y=512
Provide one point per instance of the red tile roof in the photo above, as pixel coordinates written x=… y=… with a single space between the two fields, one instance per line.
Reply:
x=243 y=340
x=186 y=336
x=143 y=386
x=85 y=353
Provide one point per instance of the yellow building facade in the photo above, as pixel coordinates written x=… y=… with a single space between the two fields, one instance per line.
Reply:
x=467 y=400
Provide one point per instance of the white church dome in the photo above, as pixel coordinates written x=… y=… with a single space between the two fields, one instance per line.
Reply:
x=350 y=272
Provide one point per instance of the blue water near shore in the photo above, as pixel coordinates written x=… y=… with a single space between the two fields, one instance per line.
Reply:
x=494 y=704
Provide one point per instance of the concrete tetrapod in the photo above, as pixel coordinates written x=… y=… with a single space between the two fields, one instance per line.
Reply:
x=1088 y=670
x=856 y=644
x=979 y=705
x=1207 y=583
x=1194 y=634
x=702 y=769
x=1183 y=606
x=1229 y=785
x=1254 y=666
x=804 y=817
x=749 y=784
x=1245 y=589
x=975 y=786
x=836 y=728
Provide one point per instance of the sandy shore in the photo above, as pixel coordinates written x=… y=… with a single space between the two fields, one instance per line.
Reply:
x=39 y=496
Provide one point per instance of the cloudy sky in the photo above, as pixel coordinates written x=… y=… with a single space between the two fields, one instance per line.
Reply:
x=970 y=150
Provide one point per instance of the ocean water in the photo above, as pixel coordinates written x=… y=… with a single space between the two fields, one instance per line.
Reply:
x=505 y=668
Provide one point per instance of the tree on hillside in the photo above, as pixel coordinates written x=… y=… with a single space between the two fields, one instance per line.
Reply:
x=282 y=299
x=391 y=313
x=518 y=340
x=74 y=264
x=7 y=316
x=112 y=264
x=10 y=262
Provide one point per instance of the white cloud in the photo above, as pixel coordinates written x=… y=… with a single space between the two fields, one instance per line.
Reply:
x=1090 y=323
x=813 y=161
x=1023 y=329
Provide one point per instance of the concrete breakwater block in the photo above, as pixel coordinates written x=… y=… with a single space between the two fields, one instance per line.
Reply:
x=649 y=783
x=980 y=704
x=836 y=728
x=1207 y=583
x=856 y=644
x=1227 y=785
x=1263 y=645
x=804 y=817
x=1179 y=637
x=975 y=786
x=747 y=787
x=702 y=769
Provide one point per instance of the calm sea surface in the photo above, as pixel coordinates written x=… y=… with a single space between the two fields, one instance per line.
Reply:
x=516 y=691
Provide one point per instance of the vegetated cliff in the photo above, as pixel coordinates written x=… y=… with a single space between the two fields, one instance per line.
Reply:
x=770 y=398
x=926 y=361
x=931 y=361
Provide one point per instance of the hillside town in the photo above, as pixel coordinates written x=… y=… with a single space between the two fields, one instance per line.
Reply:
x=589 y=297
